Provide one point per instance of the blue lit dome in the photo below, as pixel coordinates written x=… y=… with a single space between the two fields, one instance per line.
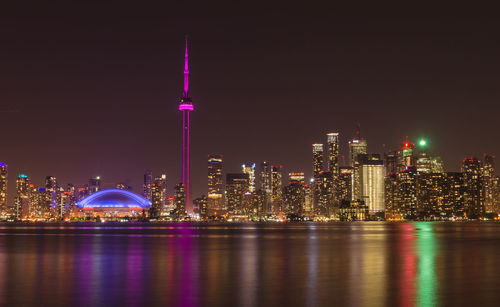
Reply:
x=114 y=198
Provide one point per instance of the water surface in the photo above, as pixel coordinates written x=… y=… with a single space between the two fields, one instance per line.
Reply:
x=283 y=264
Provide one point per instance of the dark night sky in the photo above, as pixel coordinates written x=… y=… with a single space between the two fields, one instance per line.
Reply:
x=93 y=90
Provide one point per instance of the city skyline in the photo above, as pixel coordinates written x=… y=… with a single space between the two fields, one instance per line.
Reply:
x=109 y=102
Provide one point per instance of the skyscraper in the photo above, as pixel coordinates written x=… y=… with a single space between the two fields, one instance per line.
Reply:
x=294 y=194
x=158 y=195
x=276 y=190
x=345 y=183
x=4 y=210
x=490 y=185
x=323 y=193
x=51 y=189
x=249 y=169
x=22 y=201
x=180 y=201
x=317 y=159
x=265 y=176
x=236 y=186
x=94 y=185
x=215 y=190
x=265 y=186
x=333 y=152
x=185 y=107
x=357 y=146
x=401 y=194
x=372 y=174
x=148 y=180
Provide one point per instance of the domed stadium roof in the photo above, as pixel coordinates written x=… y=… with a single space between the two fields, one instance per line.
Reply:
x=114 y=198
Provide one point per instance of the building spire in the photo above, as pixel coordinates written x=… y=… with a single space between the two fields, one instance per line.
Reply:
x=185 y=94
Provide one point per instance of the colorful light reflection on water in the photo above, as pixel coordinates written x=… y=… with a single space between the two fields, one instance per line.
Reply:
x=357 y=264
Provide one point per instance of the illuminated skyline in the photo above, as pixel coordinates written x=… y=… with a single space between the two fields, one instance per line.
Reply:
x=108 y=86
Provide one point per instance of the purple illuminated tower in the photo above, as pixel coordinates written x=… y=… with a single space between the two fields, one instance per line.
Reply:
x=185 y=107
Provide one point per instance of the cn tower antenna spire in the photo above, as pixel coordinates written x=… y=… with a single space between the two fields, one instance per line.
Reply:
x=186 y=72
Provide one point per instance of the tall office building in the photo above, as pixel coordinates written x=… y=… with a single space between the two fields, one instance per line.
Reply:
x=276 y=190
x=215 y=188
x=146 y=186
x=317 y=159
x=372 y=174
x=265 y=186
x=406 y=154
x=357 y=146
x=237 y=185
x=308 y=198
x=473 y=197
x=265 y=176
x=4 y=209
x=22 y=201
x=333 y=164
x=391 y=162
x=186 y=106
x=249 y=169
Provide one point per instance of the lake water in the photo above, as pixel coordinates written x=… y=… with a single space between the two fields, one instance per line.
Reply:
x=283 y=264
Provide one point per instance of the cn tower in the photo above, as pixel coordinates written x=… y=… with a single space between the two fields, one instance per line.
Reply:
x=185 y=107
